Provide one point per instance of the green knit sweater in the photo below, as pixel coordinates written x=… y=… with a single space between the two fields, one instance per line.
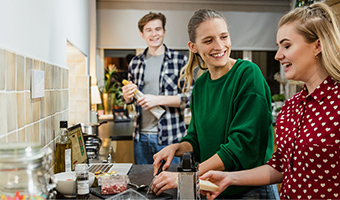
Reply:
x=232 y=116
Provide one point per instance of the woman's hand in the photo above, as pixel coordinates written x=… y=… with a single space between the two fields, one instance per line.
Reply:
x=164 y=181
x=167 y=154
x=220 y=178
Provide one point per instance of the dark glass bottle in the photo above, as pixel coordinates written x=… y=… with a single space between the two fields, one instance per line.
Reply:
x=83 y=188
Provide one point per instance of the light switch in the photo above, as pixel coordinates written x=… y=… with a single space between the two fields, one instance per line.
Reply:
x=37 y=84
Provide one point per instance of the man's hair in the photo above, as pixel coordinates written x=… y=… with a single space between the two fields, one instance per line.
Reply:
x=149 y=17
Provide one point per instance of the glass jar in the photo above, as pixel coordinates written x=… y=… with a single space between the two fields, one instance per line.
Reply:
x=23 y=171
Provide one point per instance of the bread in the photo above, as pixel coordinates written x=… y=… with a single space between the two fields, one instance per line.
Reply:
x=208 y=186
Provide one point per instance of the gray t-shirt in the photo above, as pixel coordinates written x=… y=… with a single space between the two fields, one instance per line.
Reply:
x=151 y=86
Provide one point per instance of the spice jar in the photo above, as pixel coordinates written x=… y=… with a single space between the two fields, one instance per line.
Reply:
x=82 y=179
x=23 y=172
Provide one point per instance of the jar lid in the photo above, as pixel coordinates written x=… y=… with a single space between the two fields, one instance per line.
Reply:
x=18 y=152
x=81 y=168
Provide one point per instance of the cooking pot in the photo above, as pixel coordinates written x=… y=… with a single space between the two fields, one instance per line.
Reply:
x=91 y=128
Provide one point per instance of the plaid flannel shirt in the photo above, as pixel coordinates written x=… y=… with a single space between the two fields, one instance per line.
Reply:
x=171 y=127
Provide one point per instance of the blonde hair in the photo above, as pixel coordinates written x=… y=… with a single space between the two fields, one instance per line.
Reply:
x=195 y=60
x=318 y=22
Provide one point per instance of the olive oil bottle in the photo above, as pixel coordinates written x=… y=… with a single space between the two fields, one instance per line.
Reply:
x=63 y=152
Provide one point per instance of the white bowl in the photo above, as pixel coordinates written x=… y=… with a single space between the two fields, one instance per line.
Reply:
x=66 y=183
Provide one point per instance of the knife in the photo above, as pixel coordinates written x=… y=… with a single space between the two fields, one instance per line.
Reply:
x=160 y=169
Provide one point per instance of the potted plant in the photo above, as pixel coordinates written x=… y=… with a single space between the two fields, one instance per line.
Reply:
x=110 y=89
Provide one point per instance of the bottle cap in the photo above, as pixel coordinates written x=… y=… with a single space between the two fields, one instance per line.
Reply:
x=63 y=124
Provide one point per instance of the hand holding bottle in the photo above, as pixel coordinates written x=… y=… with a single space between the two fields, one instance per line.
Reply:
x=157 y=111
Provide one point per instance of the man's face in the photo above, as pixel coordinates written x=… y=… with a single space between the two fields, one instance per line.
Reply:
x=153 y=33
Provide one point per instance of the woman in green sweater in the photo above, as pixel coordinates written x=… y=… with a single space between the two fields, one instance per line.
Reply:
x=231 y=124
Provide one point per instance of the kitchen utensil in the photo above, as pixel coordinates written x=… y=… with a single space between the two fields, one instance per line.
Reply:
x=188 y=178
x=138 y=187
x=91 y=128
x=160 y=169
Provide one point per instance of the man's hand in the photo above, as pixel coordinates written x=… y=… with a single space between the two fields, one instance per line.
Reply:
x=129 y=92
x=148 y=101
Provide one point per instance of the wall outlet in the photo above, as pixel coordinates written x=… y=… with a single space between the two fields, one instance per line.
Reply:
x=37 y=84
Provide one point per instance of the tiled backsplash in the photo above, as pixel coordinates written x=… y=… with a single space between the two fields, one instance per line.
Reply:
x=79 y=85
x=23 y=119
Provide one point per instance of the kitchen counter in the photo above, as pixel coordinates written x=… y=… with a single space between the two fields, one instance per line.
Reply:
x=139 y=174
x=116 y=130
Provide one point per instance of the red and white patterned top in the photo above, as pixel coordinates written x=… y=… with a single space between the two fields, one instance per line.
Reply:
x=308 y=136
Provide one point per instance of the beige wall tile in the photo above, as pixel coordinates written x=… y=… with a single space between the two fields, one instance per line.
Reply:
x=36 y=109
x=3 y=116
x=48 y=103
x=36 y=64
x=29 y=67
x=65 y=116
x=80 y=94
x=42 y=66
x=82 y=117
x=42 y=128
x=72 y=69
x=11 y=111
x=48 y=75
x=21 y=116
x=21 y=135
x=57 y=81
x=82 y=81
x=3 y=139
x=81 y=69
x=48 y=130
x=58 y=99
x=81 y=105
x=36 y=134
x=12 y=137
x=32 y=132
x=43 y=107
x=20 y=73
x=65 y=78
x=65 y=100
x=29 y=130
x=10 y=71
x=73 y=118
x=54 y=126
x=53 y=77
x=70 y=58
x=54 y=98
x=80 y=58
x=73 y=81
x=2 y=69
x=29 y=108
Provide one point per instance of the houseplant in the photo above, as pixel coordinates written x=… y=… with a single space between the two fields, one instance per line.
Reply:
x=111 y=89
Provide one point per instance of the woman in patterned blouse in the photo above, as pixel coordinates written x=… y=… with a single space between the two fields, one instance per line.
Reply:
x=308 y=126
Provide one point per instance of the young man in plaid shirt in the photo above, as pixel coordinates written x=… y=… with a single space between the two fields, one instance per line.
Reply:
x=155 y=72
